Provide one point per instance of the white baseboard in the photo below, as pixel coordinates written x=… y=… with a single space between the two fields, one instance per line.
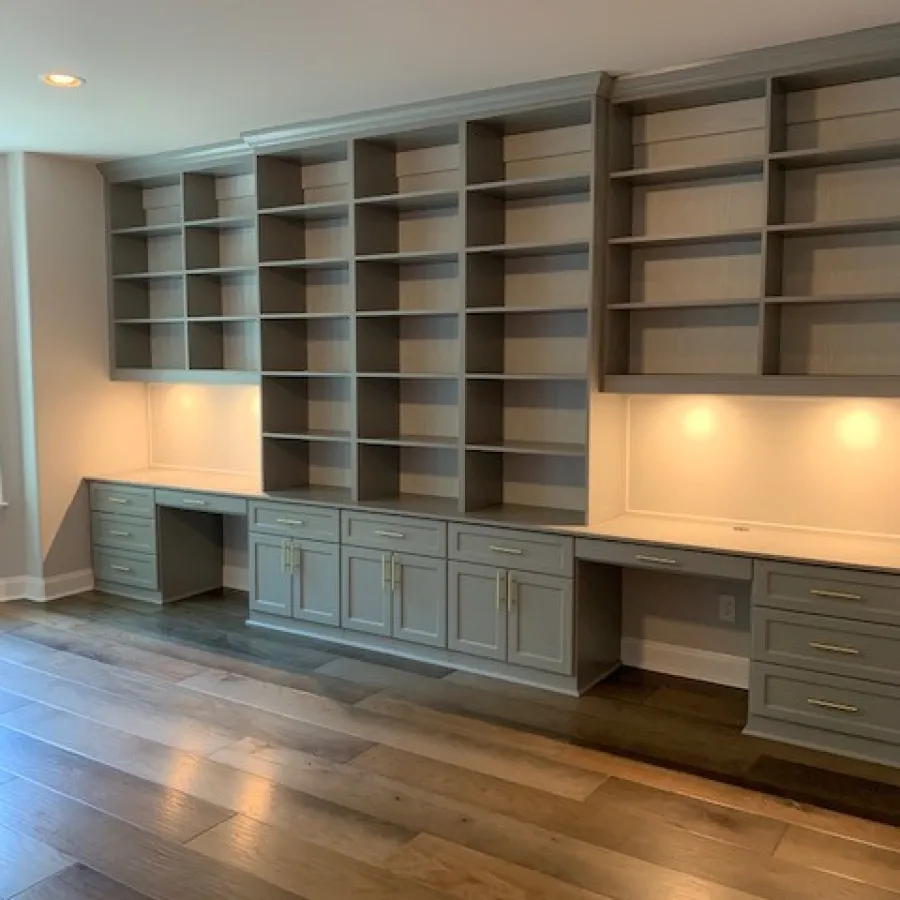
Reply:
x=236 y=577
x=686 y=662
x=42 y=590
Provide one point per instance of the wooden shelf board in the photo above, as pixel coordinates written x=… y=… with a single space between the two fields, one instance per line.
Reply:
x=835 y=298
x=684 y=304
x=309 y=211
x=738 y=235
x=214 y=319
x=163 y=320
x=223 y=271
x=223 y=223
x=150 y=231
x=823 y=156
x=561 y=248
x=512 y=514
x=411 y=256
x=319 y=494
x=411 y=440
x=417 y=200
x=425 y=376
x=284 y=373
x=416 y=503
x=514 y=310
x=698 y=172
x=325 y=262
x=313 y=434
x=538 y=448
x=534 y=188
x=269 y=317
x=400 y=313
x=505 y=376
x=846 y=226
x=148 y=276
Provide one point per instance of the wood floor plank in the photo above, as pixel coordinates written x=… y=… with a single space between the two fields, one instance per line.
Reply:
x=26 y=861
x=853 y=859
x=219 y=719
x=514 y=765
x=79 y=882
x=470 y=875
x=350 y=830
x=169 y=813
x=142 y=861
x=286 y=860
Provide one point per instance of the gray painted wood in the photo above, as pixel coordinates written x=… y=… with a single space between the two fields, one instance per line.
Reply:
x=271 y=582
x=316 y=589
x=476 y=610
x=419 y=594
x=541 y=621
x=366 y=590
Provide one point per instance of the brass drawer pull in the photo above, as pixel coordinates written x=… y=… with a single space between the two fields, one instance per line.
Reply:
x=385 y=577
x=836 y=707
x=511 y=551
x=120 y=568
x=657 y=560
x=122 y=501
x=834 y=648
x=499 y=587
x=297 y=522
x=836 y=595
x=114 y=533
x=188 y=501
x=391 y=534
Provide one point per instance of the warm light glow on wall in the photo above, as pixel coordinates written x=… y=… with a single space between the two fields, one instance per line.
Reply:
x=186 y=398
x=859 y=429
x=699 y=421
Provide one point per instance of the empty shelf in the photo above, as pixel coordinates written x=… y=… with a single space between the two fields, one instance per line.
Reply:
x=534 y=188
x=699 y=172
x=223 y=223
x=309 y=211
x=674 y=240
x=684 y=304
x=411 y=440
x=418 y=200
x=150 y=231
x=532 y=249
x=412 y=256
x=542 y=448
x=853 y=153
x=837 y=298
x=503 y=310
x=846 y=226
x=312 y=434
x=329 y=262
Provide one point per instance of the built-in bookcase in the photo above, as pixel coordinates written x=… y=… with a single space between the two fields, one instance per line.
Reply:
x=754 y=232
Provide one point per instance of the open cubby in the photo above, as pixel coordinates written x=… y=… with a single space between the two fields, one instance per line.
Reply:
x=285 y=237
x=389 y=229
x=531 y=145
x=221 y=198
x=408 y=411
x=397 y=474
x=148 y=204
x=318 y=408
x=160 y=346
x=502 y=483
x=305 y=292
x=412 y=162
x=229 y=246
x=410 y=345
x=407 y=287
x=223 y=295
x=319 y=469
x=148 y=299
x=527 y=417
x=147 y=253
x=226 y=346
x=306 y=345
x=534 y=343
x=312 y=176
x=525 y=282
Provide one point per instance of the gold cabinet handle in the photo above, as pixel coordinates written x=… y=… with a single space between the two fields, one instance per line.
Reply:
x=511 y=551
x=836 y=707
x=836 y=595
x=297 y=522
x=116 y=568
x=499 y=588
x=510 y=591
x=395 y=574
x=114 y=533
x=190 y=501
x=385 y=577
x=391 y=534
x=834 y=648
x=286 y=557
x=296 y=557
x=122 y=501
x=657 y=560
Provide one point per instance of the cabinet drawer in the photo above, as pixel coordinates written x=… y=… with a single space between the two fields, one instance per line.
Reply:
x=120 y=567
x=650 y=556
x=125 y=501
x=528 y=551
x=831 y=703
x=291 y=520
x=123 y=533
x=422 y=536
x=822 y=644
x=211 y=503
x=841 y=593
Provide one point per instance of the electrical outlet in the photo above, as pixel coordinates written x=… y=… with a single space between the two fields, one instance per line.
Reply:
x=727 y=609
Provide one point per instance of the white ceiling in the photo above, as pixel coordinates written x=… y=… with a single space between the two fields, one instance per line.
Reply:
x=163 y=74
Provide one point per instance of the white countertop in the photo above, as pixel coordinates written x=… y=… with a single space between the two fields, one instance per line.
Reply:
x=734 y=538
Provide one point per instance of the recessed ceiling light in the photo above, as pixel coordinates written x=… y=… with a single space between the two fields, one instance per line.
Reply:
x=62 y=80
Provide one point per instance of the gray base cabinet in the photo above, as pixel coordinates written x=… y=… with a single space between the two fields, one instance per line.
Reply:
x=476 y=610
x=271 y=581
x=366 y=590
x=419 y=589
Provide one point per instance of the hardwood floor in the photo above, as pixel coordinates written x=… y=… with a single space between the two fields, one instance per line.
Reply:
x=175 y=754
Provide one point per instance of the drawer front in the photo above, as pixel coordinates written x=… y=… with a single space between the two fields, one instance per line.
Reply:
x=527 y=551
x=123 y=501
x=123 y=533
x=833 y=704
x=822 y=644
x=119 y=567
x=293 y=520
x=211 y=503
x=841 y=593
x=422 y=536
x=650 y=556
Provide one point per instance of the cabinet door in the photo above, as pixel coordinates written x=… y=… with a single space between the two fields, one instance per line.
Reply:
x=420 y=599
x=476 y=611
x=366 y=590
x=317 y=576
x=541 y=614
x=271 y=581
